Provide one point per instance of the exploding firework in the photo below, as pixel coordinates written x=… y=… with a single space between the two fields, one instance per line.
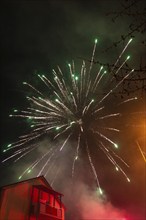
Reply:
x=72 y=108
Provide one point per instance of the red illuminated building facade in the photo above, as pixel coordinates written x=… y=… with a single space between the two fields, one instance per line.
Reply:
x=32 y=199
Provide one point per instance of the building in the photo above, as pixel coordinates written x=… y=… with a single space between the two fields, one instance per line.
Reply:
x=31 y=199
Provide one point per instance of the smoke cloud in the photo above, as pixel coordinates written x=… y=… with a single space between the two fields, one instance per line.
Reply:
x=84 y=203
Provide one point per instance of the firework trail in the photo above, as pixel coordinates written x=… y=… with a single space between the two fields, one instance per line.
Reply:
x=70 y=109
x=141 y=151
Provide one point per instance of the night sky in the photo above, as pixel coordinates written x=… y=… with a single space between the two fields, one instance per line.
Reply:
x=36 y=36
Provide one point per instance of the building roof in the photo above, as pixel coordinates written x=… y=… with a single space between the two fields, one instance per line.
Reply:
x=39 y=177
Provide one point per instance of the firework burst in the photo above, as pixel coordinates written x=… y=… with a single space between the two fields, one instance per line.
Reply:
x=72 y=110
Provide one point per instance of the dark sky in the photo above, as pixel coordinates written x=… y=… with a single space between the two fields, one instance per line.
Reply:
x=36 y=36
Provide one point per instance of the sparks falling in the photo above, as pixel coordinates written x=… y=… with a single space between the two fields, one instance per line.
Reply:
x=69 y=110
